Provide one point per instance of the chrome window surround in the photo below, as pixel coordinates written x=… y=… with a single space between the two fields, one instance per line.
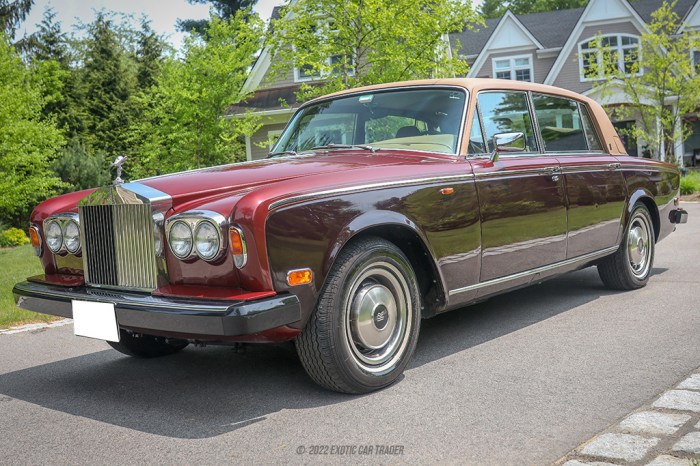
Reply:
x=240 y=260
x=193 y=218
x=462 y=123
x=63 y=219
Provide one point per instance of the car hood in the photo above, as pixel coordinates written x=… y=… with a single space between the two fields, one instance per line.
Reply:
x=208 y=182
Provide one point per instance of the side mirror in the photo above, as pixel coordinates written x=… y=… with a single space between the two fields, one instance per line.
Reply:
x=507 y=142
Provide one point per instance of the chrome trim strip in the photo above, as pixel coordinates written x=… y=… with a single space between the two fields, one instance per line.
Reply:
x=368 y=187
x=527 y=273
x=502 y=173
x=146 y=193
x=653 y=168
x=588 y=168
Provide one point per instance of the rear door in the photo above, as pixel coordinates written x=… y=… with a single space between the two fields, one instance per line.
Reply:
x=595 y=187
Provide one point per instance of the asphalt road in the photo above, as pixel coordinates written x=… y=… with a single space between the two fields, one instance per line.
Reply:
x=520 y=379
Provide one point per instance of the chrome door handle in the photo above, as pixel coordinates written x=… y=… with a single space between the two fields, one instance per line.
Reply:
x=550 y=170
x=614 y=166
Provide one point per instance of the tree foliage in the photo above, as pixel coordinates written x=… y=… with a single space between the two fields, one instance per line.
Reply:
x=12 y=14
x=224 y=9
x=661 y=86
x=186 y=126
x=348 y=43
x=27 y=143
x=497 y=8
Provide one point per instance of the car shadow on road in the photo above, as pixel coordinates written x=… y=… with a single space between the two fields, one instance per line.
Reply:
x=205 y=392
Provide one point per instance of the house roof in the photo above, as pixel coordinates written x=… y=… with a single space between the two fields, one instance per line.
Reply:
x=541 y=26
x=273 y=98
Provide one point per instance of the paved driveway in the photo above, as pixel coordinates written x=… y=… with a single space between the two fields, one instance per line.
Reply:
x=520 y=379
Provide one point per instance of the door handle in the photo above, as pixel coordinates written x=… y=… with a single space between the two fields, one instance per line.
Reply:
x=550 y=170
x=614 y=166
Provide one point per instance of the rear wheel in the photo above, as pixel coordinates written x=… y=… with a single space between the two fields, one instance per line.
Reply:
x=366 y=323
x=146 y=346
x=629 y=268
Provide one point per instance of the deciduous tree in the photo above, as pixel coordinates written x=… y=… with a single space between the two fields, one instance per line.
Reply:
x=347 y=43
x=27 y=142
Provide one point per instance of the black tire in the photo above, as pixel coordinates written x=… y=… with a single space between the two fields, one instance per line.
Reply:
x=365 y=326
x=630 y=267
x=146 y=346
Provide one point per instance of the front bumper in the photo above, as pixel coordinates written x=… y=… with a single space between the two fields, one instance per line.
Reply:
x=179 y=317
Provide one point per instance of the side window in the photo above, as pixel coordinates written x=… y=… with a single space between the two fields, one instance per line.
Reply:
x=506 y=112
x=589 y=128
x=560 y=124
x=476 y=137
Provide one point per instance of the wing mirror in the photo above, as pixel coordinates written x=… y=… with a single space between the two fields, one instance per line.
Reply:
x=507 y=142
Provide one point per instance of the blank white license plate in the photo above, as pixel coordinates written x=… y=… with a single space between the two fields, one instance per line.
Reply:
x=95 y=320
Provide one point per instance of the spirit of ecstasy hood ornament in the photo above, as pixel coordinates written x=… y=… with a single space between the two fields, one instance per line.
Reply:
x=118 y=162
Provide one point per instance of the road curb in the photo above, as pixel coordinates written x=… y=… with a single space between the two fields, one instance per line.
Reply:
x=35 y=327
x=665 y=432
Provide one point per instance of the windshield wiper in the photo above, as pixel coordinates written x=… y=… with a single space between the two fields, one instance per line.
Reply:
x=347 y=146
x=283 y=152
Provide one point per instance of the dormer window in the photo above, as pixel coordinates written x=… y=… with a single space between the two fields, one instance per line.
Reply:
x=515 y=68
x=607 y=55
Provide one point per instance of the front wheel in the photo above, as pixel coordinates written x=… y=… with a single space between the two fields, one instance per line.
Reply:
x=366 y=323
x=629 y=268
x=146 y=346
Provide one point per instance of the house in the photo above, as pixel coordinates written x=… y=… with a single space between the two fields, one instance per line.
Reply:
x=551 y=48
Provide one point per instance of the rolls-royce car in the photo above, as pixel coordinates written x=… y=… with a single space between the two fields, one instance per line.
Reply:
x=377 y=207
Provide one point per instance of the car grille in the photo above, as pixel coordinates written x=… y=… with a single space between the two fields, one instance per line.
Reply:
x=119 y=246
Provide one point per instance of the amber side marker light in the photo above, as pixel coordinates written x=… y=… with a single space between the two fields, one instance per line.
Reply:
x=299 y=277
x=35 y=239
x=238 y=247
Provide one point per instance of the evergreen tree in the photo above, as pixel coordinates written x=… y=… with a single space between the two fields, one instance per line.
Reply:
x=149 y=57
x=107 y=87
x=224 y=9
x=12 y=13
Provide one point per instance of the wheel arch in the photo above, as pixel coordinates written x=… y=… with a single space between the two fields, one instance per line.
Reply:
x=643 y=197
x=406 y=235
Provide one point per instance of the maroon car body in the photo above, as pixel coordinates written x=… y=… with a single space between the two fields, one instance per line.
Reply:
x=469 y=223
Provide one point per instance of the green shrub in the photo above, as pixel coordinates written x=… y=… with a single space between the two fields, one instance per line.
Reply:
x=13 y=237
x=690 y=184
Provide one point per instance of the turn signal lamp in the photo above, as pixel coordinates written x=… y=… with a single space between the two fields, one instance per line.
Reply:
x=35 y=239
x=237 y=245
x=299 y=277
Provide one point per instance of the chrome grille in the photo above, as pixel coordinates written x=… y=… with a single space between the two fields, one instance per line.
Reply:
x=118 y=246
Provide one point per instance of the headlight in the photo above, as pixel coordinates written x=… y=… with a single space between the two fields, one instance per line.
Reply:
x=71 y=236
x=54 y=236
x=206 y=240
x=180 y=239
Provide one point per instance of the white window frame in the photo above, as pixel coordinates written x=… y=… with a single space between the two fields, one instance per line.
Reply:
x=513 y=68
x=300 y=79
x=620 y=49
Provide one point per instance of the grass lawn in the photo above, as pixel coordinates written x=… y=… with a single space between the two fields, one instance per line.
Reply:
x=16 y=264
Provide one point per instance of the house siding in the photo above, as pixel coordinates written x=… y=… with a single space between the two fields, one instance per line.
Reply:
x=260 y=137
x=569 y=76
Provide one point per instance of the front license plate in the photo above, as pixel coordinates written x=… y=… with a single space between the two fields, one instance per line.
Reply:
x=95 y=320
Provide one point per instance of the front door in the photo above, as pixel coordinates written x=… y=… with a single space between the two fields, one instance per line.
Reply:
x=521 y=195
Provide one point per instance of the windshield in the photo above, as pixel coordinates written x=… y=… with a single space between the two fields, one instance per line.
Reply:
x=417 y=119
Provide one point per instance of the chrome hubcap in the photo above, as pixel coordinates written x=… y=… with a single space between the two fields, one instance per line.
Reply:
x=378 y=318
x=638 y=247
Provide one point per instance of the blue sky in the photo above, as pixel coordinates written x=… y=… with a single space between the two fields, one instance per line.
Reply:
x=163 y=13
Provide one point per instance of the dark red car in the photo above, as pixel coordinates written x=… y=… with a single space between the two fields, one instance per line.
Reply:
x=378 y=207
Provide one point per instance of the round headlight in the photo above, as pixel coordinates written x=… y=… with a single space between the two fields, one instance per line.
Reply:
x=207 y=241
x=180 y=239
x=54 y=236
x=71 y=237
